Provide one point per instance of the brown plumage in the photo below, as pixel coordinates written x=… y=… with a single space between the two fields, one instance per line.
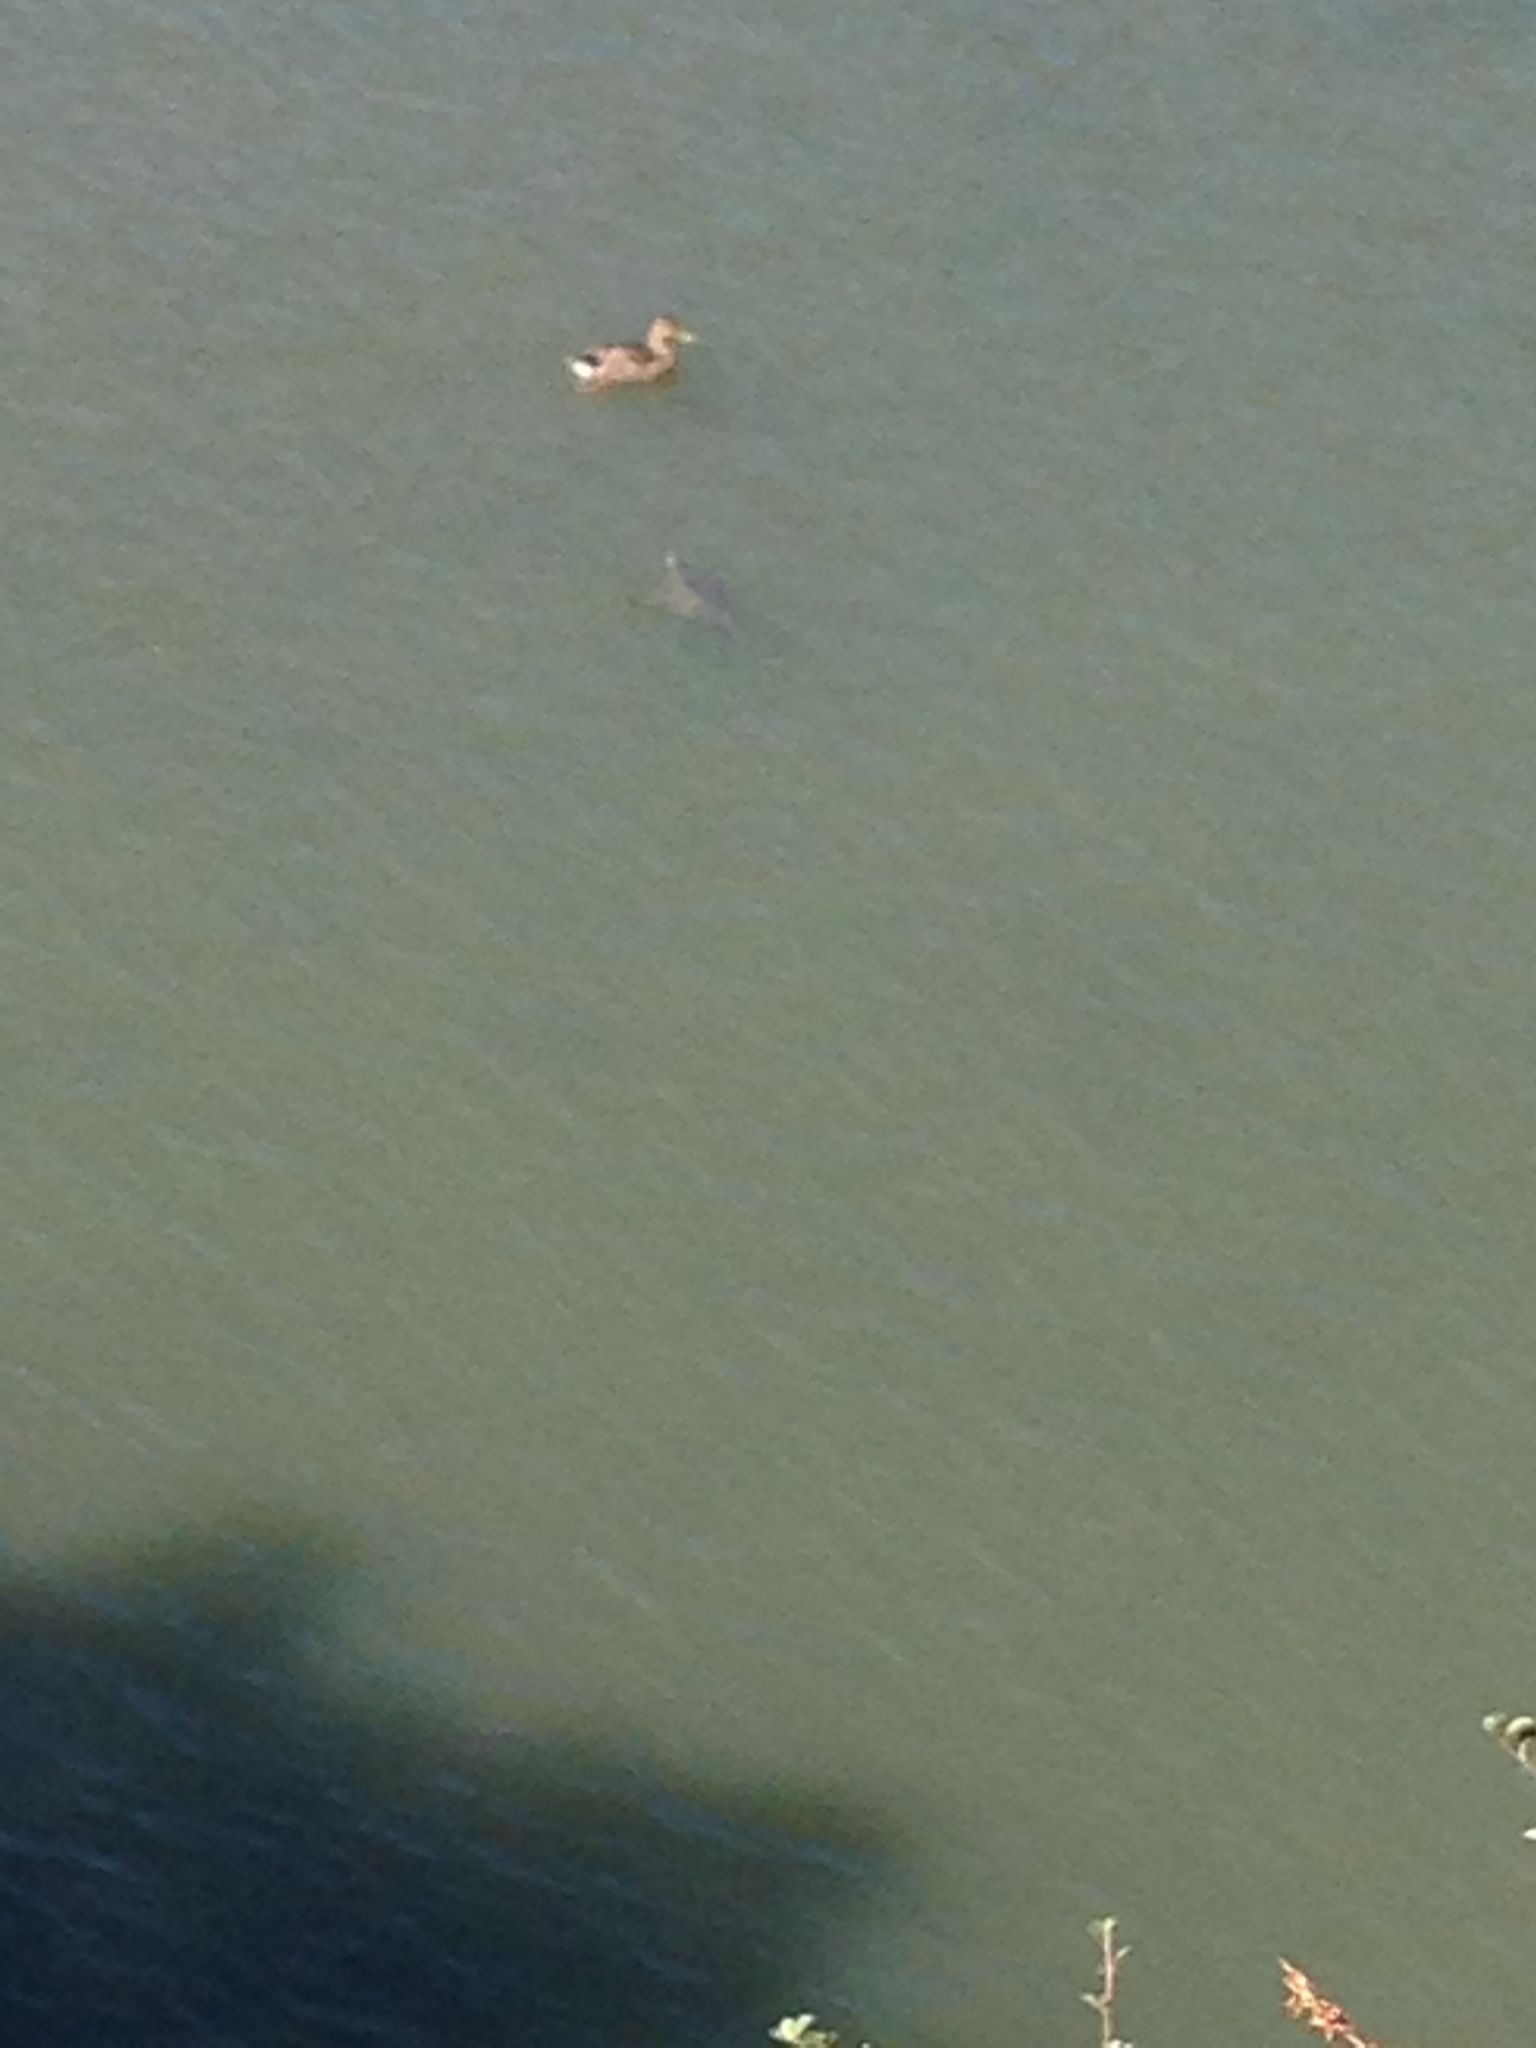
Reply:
x=631 y=362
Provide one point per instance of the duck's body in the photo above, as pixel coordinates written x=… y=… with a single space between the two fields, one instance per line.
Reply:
x=631 y=362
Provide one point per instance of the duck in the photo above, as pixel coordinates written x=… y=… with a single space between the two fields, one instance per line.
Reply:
x=632 y=362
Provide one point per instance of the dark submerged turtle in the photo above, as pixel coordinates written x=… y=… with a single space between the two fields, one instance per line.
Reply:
x=697 y=594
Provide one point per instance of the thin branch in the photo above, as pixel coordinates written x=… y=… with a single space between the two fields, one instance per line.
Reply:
x=1102 y=2001
x=1304 y=2002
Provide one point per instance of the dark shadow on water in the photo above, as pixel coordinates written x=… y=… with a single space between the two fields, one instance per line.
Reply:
x=203 y=1842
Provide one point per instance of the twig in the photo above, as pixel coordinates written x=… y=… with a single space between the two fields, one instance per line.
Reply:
x=1304 y=2002
x=1102 y=2001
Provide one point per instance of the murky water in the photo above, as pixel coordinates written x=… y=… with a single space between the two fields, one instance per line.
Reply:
x=700 y=1327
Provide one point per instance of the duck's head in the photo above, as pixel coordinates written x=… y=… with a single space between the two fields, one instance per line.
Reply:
x=666 y=332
